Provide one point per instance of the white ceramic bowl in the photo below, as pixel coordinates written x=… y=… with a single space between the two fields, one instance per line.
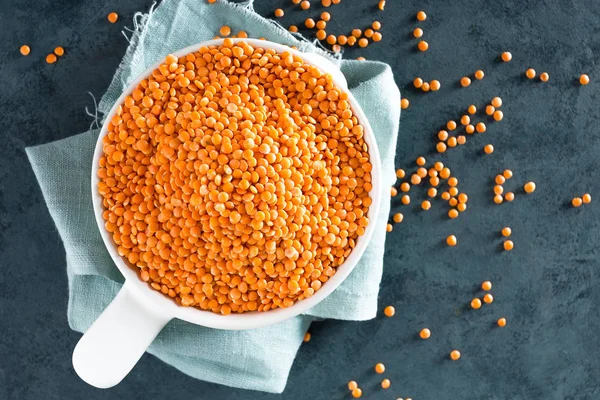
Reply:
x=119 y=337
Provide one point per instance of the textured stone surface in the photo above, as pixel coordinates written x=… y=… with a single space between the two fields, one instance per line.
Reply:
x=546 y=287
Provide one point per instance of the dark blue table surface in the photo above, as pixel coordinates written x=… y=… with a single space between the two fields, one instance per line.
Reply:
x=547 y=287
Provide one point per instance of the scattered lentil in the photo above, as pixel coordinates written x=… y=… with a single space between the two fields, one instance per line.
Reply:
x=352 y=385
x=488 y=149
x=475 y=304
x=510 y=196
x=25 y=50
x=307 y=337
x=418 y=32
x=356 y=393
x=423 y=45
x=577 y=202
x=502 y=322
x=544 y=77
x=385 y=384
x=506 y=231
x=584 y=79
x=404 y=103
x=479 y=74
x=379 y=368
x=465 y=81
x=225 y=30
x=488 y=298
x=530 y=73
x=279 y=13
x=425 y=333
x=389 y=311
x=498 y=115
x=451 y=241
x=305 y=5
x=398 y=218
x=487 y=285
x=455 y=355
x=529 y=187
x=112 y=17
x=51 y=58
x=506 y=56
x=587 y=198
x=508 y=245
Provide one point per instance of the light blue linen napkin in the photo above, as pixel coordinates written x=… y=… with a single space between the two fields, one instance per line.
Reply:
x=254 y=359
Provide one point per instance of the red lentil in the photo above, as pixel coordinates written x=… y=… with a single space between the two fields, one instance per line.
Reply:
x=529 y=187
x=544 y=77
x=479 y=74
x=425 y=333
x=112 y=17
x=508 y=245
x=451 y=241
x=423 y=45
x=279 y=13
x=379 y=368
x=584 y=79
x=475 y=304
x=506 y=56
x=25 y=50
x=586 y=198
x=487 y=285
x=455 y=355
x=488 y=298
x=502 y=322
x=385 y=384
x=418 y=32
x=530 y=73
x=389 y=311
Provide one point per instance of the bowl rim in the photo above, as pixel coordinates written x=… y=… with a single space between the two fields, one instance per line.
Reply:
x=159 y=303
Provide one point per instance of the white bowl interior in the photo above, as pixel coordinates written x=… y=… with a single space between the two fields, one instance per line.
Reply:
x=249 y=320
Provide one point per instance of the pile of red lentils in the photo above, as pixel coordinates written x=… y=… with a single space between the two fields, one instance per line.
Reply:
x=235 y=178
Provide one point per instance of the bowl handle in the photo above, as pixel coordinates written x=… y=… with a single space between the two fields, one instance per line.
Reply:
x=117 y=340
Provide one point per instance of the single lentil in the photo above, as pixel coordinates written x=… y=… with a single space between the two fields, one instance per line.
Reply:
x=487 y=285
x=529 y=187
x=506 y=56
x=488 y=298
x=389 y=311
x=112 y=17
x=425 y=333
x=508 y=245
x=451 y=241
x=455 y=355
x=25 y=50
x=423 y=45
x=530 y=73
x=475 y=304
